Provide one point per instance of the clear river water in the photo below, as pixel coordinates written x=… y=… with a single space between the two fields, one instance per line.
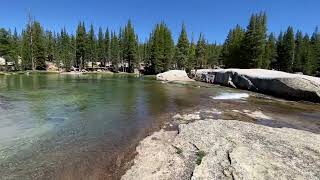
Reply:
x=87 y=126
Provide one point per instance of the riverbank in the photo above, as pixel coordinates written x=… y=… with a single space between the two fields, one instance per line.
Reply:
x=208 y=148
x=233 y=136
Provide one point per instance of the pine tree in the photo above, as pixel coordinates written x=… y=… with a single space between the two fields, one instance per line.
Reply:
x=49 y=46
x=38 y=46
x=66 y=51
x=26 y=56
x=107 y=47
x=114 y=51
x=161 y=49
x=91 y=46
x=231 y=50
x=182 y=50
x=253 y=45
x=5 y=45
x=315 y=45
x=130 y=47
x=101 y=48
x=307 y=56
x=299 y=43
x=270 y=52
x=80 y=45
x=192 y=62
x=201 y=52
x=214 y=55
x=15 y=49
x=286 y=57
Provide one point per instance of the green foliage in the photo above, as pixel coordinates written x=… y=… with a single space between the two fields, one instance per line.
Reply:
x=315 y=45
x=107 y=47
x=231 y=51
x=114 y=51
x=81 y=40
x=38 y=46
x=200 y=155
x=213 y=55
x=254 y=42
x=5 y=45
x=101 y=48
x=192 y=62
x=161 y=49
x=286 y=51
x=250 y=48
x=270 y=53
x=91 y=46
x=50 y=43
x=201 y=53
x=299 y=52
x=130 y=46
x=182 y=49
x=66 y=50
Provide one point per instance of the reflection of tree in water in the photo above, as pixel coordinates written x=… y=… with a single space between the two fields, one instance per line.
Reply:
x=156 y=98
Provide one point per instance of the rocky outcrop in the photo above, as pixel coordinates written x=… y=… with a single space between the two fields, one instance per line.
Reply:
x=220 y=149
x=280 y=84
x=174 y=75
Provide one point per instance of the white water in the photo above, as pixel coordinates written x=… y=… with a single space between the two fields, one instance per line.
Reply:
x=231 y=96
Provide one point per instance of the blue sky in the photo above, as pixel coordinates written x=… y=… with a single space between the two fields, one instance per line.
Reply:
x=212 y=17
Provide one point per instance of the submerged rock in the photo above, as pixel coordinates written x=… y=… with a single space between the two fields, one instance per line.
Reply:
x=174 y=75
x=280 y=84
x=219 y=149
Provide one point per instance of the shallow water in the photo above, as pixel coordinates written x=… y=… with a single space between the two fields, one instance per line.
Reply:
x=87 y=126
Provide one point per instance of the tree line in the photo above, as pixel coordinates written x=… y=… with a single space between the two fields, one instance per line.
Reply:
x=252 y=47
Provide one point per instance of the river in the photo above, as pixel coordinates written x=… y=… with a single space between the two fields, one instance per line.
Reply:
x=87 y=126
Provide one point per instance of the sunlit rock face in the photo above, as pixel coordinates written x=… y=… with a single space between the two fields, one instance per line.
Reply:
x=222 y=149
x=174 y=75
x=277 y=83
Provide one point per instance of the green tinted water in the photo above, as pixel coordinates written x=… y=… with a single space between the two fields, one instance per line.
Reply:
x=85 y=126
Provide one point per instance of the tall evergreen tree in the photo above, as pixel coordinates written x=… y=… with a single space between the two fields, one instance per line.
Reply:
x=182 y=50
x=231 y=51
x=201 y=55
x=50 y=46
x=91 y=48
x=270 y=52
x=5 y=45
x=299 y=48
x=101 y=48
x=15 y=49
x=80 y=45
x=286 y=56
x=130 y=47
x=192 y=62
x=107 y=47
x=214 y=55
x=26 y=56
x=161 y=49
x=114 y=51
x=253 y=45
x=66 y=52
x=307 y=56
x=315 y=45
x=38 y=46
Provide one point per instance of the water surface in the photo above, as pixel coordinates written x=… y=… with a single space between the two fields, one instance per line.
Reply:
x=87 y=126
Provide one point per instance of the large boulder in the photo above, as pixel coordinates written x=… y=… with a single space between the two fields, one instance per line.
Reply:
x=174 y=75
x=219 y=149
x=277 y=83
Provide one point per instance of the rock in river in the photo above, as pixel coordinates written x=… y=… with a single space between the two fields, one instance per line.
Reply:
x=277 y=83
x=220 y=149
x=174 y=75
